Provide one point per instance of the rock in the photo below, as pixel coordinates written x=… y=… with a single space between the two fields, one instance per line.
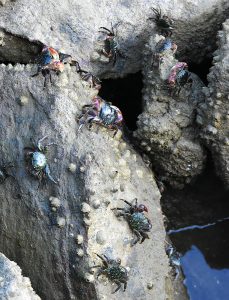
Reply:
x=79 y=239
x=23 y=100
x=80 y=37
x=60 y=222
x=12 y=284
x=72 y=167
x=85 y=207
x=100 y=237
x=80 y=252
x=214 y=114
x=55 y=202
x=165 y=127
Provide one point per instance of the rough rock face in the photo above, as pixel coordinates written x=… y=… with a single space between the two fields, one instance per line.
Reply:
x=72 y=26
x=166 y=127
x=43 y=228
x=13 y=286
x=213 y=114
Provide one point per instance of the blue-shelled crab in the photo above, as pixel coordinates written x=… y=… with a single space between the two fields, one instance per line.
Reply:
x=101 y=113
x=161 y=48
x=113 y=270
x=37 y=161
x=136 y=219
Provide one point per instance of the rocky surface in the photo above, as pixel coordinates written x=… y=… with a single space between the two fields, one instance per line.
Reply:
x=53 y=231
x=73 y=28
x=213 y=114
x=13 y=286
x=166 y=128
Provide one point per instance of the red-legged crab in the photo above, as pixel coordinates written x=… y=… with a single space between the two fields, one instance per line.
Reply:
x=4 y=172
x=179 y=76
x=136 y=219
x=49 y=61
x=163 y=22
x=101 y=113
x=37 y=162
x=113 y=270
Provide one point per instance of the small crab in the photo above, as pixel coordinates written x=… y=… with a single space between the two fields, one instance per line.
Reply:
x=101 y=113
x=111 y=46
x=179 y=76
x=4 y=174
x=174 y=258
x=164 y=23
x=37 y=162
x=49 y=60
x=93 y=81
x=136 y=219
x=113 y=270
x=161 y=48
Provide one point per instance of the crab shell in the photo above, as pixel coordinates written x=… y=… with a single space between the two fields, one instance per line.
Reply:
x=39 y=161
x=117 y=272
x=175 y=69
x=52 y=52
x=139 y=221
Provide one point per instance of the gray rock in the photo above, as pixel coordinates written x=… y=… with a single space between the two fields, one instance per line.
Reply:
x=215 y=112
x=12 y=284
x=165 y=128
x=48 y=254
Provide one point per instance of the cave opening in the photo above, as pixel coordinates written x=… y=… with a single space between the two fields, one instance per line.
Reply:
x=126 y=94
x=201 y=69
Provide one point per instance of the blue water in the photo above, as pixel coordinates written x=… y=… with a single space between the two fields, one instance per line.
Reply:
x=205 y=259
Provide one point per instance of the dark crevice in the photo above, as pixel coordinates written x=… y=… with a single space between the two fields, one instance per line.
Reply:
x=126 y=94
x=204 y=201
x=16 y=49
x=201 y=69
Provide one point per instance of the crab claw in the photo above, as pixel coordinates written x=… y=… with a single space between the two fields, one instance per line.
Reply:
x=48 y=174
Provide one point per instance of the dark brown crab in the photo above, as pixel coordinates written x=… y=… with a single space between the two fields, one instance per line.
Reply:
x=113 y=270
x=136 y=219
x=163 y=22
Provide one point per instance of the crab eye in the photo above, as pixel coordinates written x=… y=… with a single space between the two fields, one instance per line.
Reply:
x=142 y=208
x=119 y=261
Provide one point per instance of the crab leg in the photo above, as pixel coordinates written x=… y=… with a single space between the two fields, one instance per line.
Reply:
x=118 y=286
x=47 y=172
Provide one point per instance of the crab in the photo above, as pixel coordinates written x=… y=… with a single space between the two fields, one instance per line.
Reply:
x=37 y=162
x=101 y=113
x=4 y=174
x=164 y=45
x=50 y=61
x=111 y=46
x=179 y=76
x=136 y=219
x=93 y=81
x=174 y=258
x=113 y=270
x=163 y=22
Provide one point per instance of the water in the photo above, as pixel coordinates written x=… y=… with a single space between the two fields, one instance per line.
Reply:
x=205 y=259
x=198 y=226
